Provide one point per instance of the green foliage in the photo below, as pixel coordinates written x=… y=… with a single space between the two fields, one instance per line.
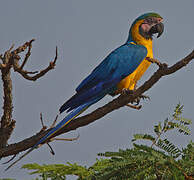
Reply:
x=182 y=123
x=58 y=171
x=159 y=160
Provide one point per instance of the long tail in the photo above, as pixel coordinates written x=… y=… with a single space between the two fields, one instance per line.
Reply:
x=76 y=112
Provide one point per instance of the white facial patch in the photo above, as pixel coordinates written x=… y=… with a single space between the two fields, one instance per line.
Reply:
x=145 y=27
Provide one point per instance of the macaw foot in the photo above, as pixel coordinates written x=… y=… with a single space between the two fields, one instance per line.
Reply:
x=126 y=91
x=138 y=99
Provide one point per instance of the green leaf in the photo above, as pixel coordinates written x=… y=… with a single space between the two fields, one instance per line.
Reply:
x=143 y=137
x=169 y=147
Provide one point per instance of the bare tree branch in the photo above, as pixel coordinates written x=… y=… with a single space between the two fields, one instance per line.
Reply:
x=10 y=60
x=24 y=73
x=117 y=103
x=7 y=124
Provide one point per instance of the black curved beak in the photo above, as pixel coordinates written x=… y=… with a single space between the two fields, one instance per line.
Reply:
x=158 y=28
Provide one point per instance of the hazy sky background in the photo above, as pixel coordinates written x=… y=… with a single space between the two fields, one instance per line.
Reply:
x=85 y=32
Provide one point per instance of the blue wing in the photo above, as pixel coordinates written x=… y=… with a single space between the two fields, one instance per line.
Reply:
x=104 y=78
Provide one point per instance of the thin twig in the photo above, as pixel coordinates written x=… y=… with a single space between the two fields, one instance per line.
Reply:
x=66 y=139
x=42 y=123
x=54 y=122
x=31 y=72
x=12 y=158
x=28 y=53
x=56 y=55
x=51 y=149
x=41 y=120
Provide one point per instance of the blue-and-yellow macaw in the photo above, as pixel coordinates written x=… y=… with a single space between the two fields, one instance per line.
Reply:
x=121 y=69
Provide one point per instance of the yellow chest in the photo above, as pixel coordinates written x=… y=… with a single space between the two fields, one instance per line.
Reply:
x=130 y=81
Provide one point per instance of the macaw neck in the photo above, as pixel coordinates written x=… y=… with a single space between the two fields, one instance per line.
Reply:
x=134 y=35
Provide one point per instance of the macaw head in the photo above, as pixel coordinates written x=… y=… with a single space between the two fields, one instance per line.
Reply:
x=145 y=26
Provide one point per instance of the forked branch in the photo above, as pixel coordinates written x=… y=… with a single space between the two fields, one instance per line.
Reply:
x=39 y=74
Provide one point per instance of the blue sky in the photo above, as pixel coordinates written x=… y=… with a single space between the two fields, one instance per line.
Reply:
x=85 y=32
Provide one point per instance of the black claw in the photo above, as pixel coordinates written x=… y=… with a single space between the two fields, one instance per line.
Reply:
x=144 y=97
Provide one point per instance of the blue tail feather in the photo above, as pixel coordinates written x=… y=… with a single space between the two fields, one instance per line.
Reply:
x=64 y=122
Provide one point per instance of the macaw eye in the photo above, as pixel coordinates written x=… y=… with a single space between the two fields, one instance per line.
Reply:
x=150 y=20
